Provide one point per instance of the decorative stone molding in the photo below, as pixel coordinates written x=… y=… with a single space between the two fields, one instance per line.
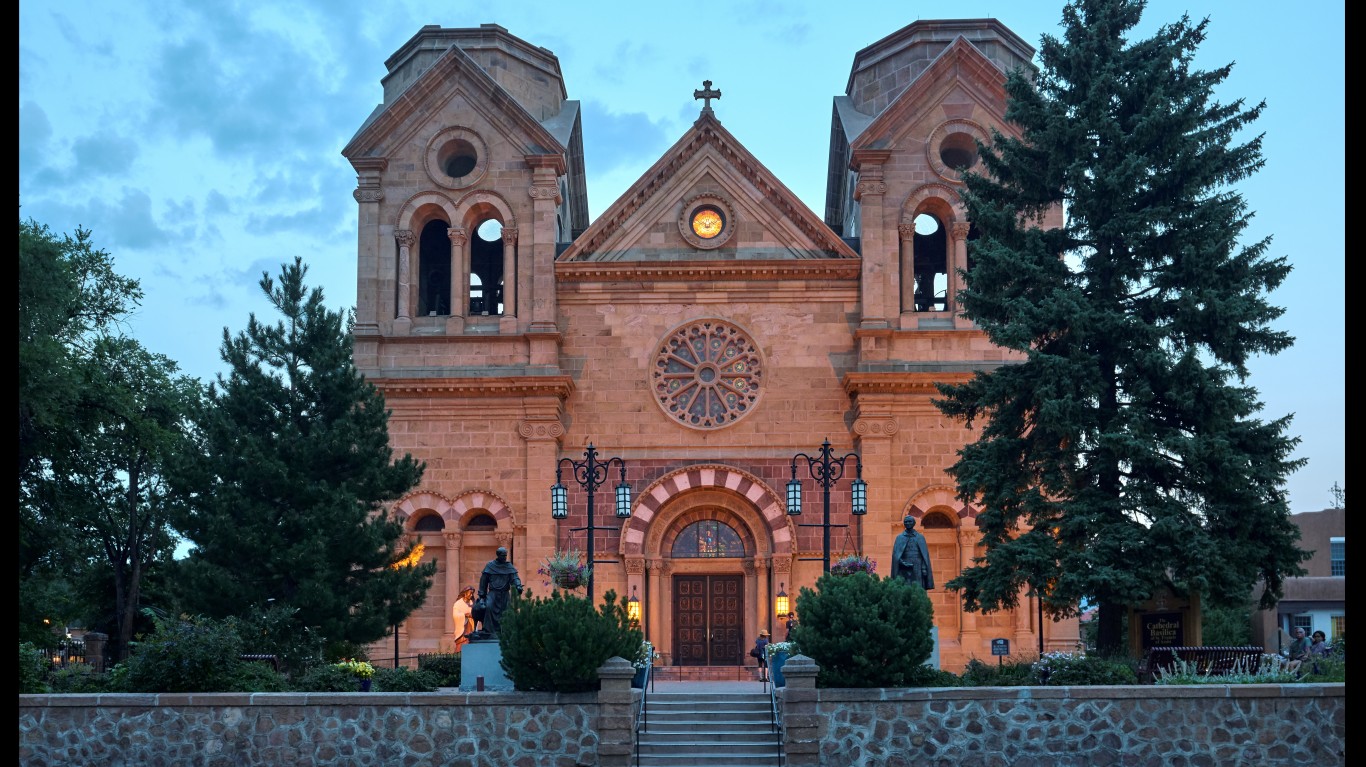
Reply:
x=368 y=195
x=712 y=204
x=782 y=565
x=458 y=236
x=954 y=135
x=538 y=192
x=869 y=188
x=635 y=565
x=453 y=539
x=876 y=427
x=404 y=237
x=456 y=158
x=509 y=235
x=960 y=230
x=707 y=374
x=540 y=429
x=906 y=231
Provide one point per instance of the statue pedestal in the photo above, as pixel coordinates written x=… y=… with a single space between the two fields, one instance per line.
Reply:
x=482 y=658
x=933 y=661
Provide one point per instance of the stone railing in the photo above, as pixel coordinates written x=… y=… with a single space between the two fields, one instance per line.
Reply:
x=1264 y=725
x=1267 y=725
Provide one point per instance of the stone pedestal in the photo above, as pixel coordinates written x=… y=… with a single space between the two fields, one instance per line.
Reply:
x=933 y=661
x=482 y=658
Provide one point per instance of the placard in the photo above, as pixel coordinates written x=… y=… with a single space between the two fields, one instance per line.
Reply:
x=1000 y=647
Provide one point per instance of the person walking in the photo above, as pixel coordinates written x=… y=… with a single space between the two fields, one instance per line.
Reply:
x=760 y=653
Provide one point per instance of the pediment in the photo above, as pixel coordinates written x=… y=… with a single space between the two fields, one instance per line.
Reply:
x=959 y=83
x=707 y=166
x=454 y=75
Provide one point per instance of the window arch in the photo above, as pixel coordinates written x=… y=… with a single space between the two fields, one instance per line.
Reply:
x=481 y=522
x=430 y=523
x=708 y=538
x=434 y=269
x=486 y=268
x=931 y=266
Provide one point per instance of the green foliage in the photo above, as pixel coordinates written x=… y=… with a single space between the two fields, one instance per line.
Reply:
x=189 y=655
x=33 y=667
x=864 y=630
x=1229 y=626
x=1124 y=450
x=1270 y=669
x=1005 y=672
x=286 y=495
x=403 y=679
x=1060 y=668
x=556 y=644
x=444 y=668
x=275 y=631
x=326 y=678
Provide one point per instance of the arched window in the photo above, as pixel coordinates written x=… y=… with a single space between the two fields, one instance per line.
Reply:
x=931 y=267
x=936 y=520
x=486 y=268
x=430 y=523
x=481 y=522
x=708 y=538
x=434 y=270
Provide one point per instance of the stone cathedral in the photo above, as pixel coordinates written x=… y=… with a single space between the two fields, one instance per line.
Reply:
x=704 y=338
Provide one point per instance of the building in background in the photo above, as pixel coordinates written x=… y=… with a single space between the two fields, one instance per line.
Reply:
x=708 y=328
x=1316 y=601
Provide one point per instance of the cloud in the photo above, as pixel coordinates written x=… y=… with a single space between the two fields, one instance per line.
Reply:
x=613 y=141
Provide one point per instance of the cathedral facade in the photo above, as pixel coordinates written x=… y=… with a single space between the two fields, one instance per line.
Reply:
x=701 y=344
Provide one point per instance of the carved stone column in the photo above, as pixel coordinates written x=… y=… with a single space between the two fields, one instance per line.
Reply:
x=869 y=192
x=968 y=638
x=510 y=275
x=906 y=270
x=959 y=261
x=404 y=238
x=453 y=563
x=460 y=279
x=374 y=265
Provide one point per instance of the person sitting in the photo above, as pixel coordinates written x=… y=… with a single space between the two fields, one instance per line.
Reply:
x=1318 y=648
x=1298 y=652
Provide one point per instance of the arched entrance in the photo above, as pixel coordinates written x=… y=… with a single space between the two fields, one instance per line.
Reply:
x=710 y=539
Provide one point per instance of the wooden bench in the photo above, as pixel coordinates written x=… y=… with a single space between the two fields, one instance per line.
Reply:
x=1211 y=661
x=271 y=659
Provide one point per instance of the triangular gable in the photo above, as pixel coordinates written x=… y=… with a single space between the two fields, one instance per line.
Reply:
x=959 y=66
x=451 y=74
x=708 y=157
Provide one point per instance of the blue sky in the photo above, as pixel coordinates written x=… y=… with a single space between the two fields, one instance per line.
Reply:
x=201 y=141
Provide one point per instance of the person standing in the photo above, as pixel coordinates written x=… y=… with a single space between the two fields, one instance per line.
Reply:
x=495 y=587
x=911 y=556
x=760 y=653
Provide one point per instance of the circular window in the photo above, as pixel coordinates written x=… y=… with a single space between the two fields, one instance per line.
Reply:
x=456 y=158
x=706 y=221
x=707 y=374
x=952 y=148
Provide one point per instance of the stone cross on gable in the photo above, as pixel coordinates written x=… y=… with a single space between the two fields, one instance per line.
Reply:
x=706 y=94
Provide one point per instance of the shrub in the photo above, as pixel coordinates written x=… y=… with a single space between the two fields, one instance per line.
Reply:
x=189 y=655
x=1005 y=672
x=325 y=678
x=1270 y=670
x=275 y=631
x=864 y=630
x=1060 y=668
x=444 y=668
x=78 y=678
x=404 y=679
x=33 y=666
x=258 y=677
x=556 y=644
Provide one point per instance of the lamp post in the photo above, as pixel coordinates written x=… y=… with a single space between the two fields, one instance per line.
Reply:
x=827 y=470
x=589 y=473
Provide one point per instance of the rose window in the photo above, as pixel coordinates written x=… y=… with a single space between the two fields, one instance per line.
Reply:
x=707 y=374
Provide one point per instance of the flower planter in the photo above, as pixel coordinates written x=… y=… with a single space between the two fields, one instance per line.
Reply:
x=365 y=685
x=775 y=668
x=639 y=681
x=568 y=581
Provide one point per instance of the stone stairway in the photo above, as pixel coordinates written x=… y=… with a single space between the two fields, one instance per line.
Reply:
x=708 y=729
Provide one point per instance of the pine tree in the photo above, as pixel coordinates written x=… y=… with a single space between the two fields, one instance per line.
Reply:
x=1126 y=442
x=287 y=493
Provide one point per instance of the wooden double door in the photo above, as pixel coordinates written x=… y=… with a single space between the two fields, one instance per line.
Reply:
x=709 y=620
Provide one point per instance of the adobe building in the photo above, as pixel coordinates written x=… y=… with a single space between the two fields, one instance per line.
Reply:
x=1316 y=601
x=708 y=329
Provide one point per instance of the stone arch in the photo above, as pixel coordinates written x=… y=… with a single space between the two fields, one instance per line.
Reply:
x=486 y=500
x=480 y=205
x=937 y=199
x=724 y=487
x=410 y=508
x=424 y=207
x=939 y=497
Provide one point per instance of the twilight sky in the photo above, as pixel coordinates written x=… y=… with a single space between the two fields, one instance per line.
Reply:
x=201 y=142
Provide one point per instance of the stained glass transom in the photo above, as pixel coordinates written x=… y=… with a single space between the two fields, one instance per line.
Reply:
x=708 y=538
x=707 y=374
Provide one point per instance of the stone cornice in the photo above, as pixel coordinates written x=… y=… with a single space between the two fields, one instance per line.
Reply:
x=510 y=386
x=683 y=271
x=920 y=382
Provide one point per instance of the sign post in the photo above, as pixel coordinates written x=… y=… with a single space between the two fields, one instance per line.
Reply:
x=1000 y=648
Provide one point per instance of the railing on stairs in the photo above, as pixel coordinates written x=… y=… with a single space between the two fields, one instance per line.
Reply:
x=643 y=718
x=776 y=715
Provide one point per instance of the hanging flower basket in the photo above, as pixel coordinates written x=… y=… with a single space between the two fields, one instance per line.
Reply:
x=566 y=570
x=853 y=564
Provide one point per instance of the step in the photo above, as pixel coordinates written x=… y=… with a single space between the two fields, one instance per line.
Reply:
x=708 y=729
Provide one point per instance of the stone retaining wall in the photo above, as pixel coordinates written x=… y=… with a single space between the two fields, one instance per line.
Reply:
x=1142 y=725
x=1138 y=726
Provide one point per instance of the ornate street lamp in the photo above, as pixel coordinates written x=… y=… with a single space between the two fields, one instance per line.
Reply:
x=633 y=607
x=589 y=473
x=781 y=607
x=827 y=470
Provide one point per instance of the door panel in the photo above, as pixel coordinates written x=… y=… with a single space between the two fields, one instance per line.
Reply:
x=708 y=620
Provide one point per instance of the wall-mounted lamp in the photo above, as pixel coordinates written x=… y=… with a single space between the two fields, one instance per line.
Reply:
x=781 y=606
x=633 y=607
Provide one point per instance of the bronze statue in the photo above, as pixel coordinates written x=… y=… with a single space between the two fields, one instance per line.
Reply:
x=495 y=589
x=911 y=557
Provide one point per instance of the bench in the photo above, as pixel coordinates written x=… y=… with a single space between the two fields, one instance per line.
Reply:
x=271 y=659
x=1211 y=661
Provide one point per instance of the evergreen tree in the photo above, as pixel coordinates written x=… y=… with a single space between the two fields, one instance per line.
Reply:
x=1125 y=442
x=285 y=498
